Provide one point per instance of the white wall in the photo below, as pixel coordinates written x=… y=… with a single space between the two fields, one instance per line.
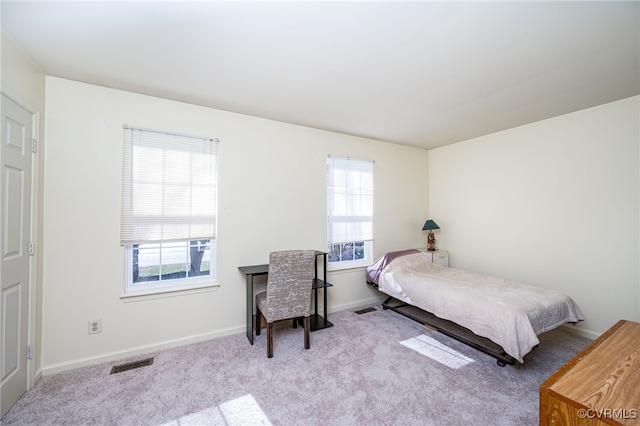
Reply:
x=272 y=196
x=554 y=204
x=24 y=83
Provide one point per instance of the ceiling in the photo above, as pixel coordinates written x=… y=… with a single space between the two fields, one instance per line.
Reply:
x=423 y=74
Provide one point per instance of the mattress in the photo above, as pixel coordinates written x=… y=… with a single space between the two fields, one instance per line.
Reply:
x=509 y=313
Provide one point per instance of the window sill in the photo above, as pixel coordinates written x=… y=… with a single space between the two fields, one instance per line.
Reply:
x=355 y=265
x=142 y=295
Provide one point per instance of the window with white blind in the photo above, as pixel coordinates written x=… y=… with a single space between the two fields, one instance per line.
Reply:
x=168 y=214
x=349 y=212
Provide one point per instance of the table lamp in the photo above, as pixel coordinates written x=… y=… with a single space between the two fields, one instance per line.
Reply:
x=430 y=225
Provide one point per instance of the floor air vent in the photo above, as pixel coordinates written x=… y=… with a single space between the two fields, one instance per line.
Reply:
x=131 y=365
x=365 y=310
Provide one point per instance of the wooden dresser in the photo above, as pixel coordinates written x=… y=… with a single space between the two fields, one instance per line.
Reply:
x=600 y=385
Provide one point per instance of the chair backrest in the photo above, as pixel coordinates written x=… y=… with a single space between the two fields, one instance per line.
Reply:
x=289 y=284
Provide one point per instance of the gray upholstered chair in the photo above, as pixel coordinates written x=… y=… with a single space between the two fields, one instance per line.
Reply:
x=288 y=294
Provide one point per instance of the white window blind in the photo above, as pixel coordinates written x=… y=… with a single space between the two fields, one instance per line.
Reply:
x=168 y=187
x=349 y=200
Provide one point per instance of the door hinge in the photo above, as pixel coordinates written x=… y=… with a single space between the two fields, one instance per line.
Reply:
x=32 y=249
x=34 y=145
x=29 y=352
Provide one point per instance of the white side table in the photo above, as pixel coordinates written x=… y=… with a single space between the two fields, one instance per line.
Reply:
x=440 y=257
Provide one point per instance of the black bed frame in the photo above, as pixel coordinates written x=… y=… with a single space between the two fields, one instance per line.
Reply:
x=449 y=328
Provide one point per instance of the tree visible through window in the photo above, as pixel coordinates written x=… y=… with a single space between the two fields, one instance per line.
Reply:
x=170 y=261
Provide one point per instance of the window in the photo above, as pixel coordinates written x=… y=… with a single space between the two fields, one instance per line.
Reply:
x=349 y=212
x=168 y=216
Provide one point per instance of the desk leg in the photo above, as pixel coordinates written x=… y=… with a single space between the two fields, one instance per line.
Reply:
x=250 y=308
x=326 y=311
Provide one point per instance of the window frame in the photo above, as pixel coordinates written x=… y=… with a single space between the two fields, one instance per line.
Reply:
x=367 y=242
x=169 y=285
x=355 y=263
x=157 y=140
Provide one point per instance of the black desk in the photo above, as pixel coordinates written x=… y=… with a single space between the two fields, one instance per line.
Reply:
x=317 y=321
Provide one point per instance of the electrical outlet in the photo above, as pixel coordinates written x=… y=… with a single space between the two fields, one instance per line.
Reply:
x=95 y=326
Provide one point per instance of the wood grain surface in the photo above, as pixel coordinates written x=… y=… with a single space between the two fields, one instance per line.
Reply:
x=601 y=385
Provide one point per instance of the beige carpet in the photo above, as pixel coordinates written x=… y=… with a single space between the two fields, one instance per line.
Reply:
x=377 y=368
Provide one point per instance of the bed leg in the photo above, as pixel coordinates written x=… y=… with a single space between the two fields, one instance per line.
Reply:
x=385 y=303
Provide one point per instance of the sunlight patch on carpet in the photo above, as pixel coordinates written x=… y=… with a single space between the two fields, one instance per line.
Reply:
x=437 y=351
x=237 y=412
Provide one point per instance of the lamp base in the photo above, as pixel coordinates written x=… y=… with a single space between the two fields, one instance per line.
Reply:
x=431 y=242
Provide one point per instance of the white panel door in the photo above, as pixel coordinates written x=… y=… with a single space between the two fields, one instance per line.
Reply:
x=15 y=226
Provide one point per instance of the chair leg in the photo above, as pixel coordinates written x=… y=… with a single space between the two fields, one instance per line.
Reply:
x=269 y=340
x=307 y=327
x=258 y=320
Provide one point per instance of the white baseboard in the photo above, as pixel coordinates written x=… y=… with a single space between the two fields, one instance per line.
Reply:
x=140 y=350
x=580 y=331
x=36 y=378
x=358 y=304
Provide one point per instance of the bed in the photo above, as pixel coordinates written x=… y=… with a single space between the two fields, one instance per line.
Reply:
x=500 y=317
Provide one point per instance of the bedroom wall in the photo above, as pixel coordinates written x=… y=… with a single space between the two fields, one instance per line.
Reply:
x=24 y=83
x=553 y=204
x=272 y=196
